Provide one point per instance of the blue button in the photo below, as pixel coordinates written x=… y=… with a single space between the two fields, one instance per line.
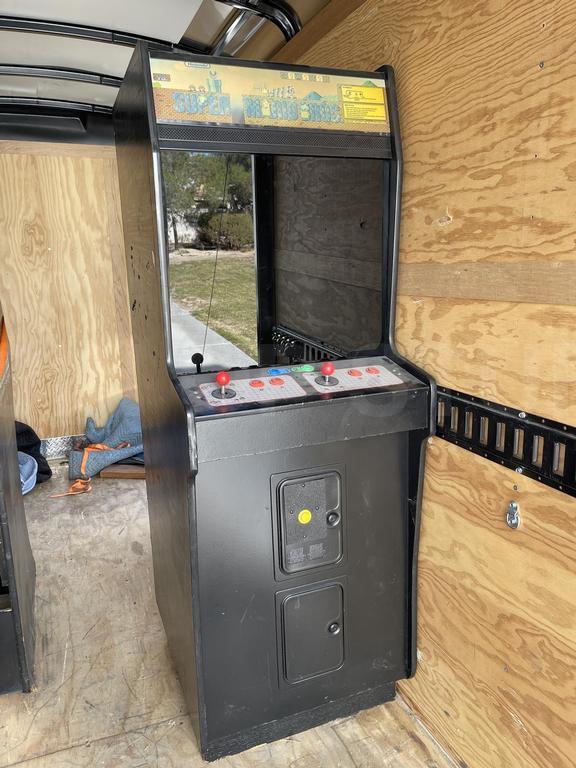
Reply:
x=277 y=371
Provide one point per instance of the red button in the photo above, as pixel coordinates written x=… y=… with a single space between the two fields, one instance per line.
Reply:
x=354 y=372
x=373 y=371
x=277 y=382
x=256 y=383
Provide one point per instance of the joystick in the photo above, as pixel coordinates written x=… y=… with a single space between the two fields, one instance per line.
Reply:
x=327 y=380
x=327 y=369
x=224 y=393
x=197 y=360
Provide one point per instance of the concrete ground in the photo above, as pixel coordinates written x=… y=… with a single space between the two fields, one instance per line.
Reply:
x=188 y=338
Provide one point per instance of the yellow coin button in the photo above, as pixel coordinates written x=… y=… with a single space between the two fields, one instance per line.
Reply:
x=304 y=516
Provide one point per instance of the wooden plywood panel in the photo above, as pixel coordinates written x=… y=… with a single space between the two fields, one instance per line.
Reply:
x=329 y=207
x=497 y=616
x=521 y=355
x=487 y=111
x=494 y=281
x=487 y=131
x=122 y=316
x=63 y=284
x=299 y=298
x=47 y=149
x=328 y=241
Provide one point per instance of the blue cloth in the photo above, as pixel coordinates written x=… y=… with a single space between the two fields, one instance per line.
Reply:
x=28 y=471
x=122 y=427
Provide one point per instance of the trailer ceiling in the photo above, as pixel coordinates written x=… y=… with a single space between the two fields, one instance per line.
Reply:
x=76 y=53
x=166 y=20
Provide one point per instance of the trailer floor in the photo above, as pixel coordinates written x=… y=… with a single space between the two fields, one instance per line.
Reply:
x=106 y=694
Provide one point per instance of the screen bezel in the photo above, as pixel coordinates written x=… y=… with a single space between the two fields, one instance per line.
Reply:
x=380 y=74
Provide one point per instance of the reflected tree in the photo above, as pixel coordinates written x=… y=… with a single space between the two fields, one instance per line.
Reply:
x=195 y=194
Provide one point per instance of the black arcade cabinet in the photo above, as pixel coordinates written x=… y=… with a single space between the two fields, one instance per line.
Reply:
x=283 y=433
x=17 y=566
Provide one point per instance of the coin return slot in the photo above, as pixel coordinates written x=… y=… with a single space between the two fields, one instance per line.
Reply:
x=468 y=425
x=454 y=418
x=484 y=430
x=559 y=458
x=500 y=436
x=537 y=450
x=518 y=450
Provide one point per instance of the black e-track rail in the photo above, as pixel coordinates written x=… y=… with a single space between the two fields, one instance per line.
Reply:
x=539 y=448
x=300 y=348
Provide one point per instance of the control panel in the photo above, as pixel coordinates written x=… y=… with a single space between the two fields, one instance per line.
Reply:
x=347 y=379
x=260 y=389
x=226 y=391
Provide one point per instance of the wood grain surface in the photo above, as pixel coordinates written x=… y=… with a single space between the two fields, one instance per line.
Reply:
x=327 y=241
x=48 y=149
x=505 y=281
x=107 y=694
x=487 y=111
x=63 y=284
x=522 y=355
x=497 y=616
x=486 y=304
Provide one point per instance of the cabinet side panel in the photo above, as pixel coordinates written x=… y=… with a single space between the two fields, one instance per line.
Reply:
x=164 y=419
x=18 y=562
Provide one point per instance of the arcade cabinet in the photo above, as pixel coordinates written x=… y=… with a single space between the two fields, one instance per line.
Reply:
x=17 y=567
x=284 y=478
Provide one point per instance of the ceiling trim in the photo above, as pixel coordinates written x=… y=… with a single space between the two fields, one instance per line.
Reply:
x=34 y=101
x=279 y=12
x=58 y=73
x=96 y=34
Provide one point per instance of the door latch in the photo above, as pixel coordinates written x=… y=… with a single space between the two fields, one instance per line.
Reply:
x=513 y=515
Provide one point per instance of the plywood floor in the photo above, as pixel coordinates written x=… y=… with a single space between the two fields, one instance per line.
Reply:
x=106 y=693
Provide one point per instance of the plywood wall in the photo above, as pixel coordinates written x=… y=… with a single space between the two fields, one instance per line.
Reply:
x=63 y=284
x=487 y=304
x=496 y=681
x=328 y=249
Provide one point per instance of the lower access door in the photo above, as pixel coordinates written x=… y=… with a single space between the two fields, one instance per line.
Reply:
x=312 y=626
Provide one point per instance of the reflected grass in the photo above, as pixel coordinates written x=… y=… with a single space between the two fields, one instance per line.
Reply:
x=233 y=313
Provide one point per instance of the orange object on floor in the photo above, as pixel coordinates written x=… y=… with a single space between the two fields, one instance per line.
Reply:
x=85 y=485
x=77 y=487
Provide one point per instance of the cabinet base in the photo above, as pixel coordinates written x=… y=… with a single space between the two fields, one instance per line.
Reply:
x=302 y=721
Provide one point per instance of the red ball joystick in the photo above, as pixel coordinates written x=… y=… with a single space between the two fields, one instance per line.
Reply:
x=327 y=370
x=223 y=379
